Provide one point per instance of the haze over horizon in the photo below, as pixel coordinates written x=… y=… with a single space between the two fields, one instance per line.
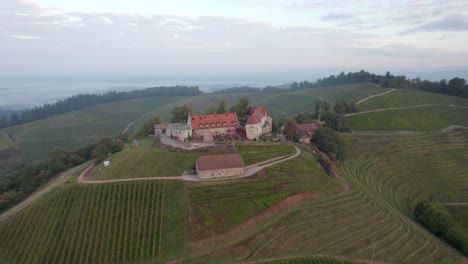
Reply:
x=228 y=42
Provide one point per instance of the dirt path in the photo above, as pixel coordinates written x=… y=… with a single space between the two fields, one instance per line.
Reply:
x=251 y=224
x=52 y=184
x=254 y=168
x=250 y=170
x=375 y=95
x=404 y=107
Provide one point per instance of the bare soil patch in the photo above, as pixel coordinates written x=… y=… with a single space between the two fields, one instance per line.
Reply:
x=276 y=208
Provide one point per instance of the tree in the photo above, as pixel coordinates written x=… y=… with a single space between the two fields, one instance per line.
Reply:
x=290 y=127
x=222 y=107
x=329 y=142
x=181 y=113
x=211 y=110
x=148 y=127
x=241 y=107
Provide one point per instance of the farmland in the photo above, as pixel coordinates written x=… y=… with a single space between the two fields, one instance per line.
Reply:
x=410 y=110
x=99 y=224
x=256 y=153
x=216 y=207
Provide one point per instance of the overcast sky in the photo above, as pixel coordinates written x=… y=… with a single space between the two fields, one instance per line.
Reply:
x=70 y=38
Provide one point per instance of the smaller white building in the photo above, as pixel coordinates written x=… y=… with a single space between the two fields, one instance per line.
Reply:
x=106 y=163
x=179 y=131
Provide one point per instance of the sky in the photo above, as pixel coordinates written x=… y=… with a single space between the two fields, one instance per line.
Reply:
x=227 y=40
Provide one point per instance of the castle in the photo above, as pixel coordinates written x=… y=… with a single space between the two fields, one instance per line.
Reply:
x=207 y=128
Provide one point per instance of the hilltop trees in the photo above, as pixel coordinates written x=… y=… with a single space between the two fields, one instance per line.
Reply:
x=148 y=127
x=222 y=107
x=181 y=113
x=456 y=86
x=241 y=107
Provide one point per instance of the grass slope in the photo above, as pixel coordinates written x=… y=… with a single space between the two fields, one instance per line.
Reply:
x=100 y=224
x=256 y=153
x=420 y=111
x=148 y=161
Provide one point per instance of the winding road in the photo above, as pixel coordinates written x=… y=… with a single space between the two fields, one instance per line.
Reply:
x=250 y=170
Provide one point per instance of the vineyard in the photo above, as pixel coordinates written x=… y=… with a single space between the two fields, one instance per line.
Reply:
x=216 y=207
x=256 y=153
x=99 y=224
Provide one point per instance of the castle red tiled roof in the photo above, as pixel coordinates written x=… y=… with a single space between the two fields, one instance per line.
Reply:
x=256 y=113
x=216 y=162
x=214 y=121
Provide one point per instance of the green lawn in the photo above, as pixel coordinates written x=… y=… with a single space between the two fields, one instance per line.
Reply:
x=402 y=98
x=148 y=161
x=428 y=118
x=256 y=153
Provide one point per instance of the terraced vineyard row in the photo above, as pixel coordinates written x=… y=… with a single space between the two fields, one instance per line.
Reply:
x=257 y=153
x=98 y=224
x=218 y=206
x=407 y=169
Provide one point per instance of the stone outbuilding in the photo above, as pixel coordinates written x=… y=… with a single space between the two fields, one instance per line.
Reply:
x=305 y=132
x=219 y=166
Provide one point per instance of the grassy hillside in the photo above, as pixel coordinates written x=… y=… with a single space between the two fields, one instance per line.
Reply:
x=256 y=153
x=138 y=221
x=148 y=161
x=410 y=110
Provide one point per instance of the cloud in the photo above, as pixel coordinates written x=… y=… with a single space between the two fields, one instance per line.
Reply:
x=24 y=37
x=449 y=23
x=341 y=19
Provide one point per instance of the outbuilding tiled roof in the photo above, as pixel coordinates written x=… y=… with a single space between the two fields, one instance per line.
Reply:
x=214 y=121
x=222 y=161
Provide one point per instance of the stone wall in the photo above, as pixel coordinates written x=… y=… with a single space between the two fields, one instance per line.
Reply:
x=211 y=134
x=184 y=145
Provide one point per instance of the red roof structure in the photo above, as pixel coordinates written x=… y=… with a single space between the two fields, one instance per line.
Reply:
x=308 y=129
x=216 y=162
x=256 y=113
x=214 y=121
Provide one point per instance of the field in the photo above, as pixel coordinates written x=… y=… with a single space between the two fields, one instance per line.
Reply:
x=216 y=207
x=33 y=141
x=257 y=153
x=410 y=110
x=148 y=161
x=100 y=224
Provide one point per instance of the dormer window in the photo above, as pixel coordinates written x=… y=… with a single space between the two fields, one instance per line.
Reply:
x=224 y=123
x=212 y=124
x=201 y=125
x=217 y=124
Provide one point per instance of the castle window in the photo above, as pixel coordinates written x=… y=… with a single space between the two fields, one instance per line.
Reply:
x=217 y=124
x=224 y=123
x=201 y=125
x=212 y=124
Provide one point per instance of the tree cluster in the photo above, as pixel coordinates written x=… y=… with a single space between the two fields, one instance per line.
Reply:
x=442 y=224
x=456 y=86
x=334 y=116
x=81 y=101
x=180 y=113
x=15 y=186
x=329 y=142
x=148 y=127
x=241 y=108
